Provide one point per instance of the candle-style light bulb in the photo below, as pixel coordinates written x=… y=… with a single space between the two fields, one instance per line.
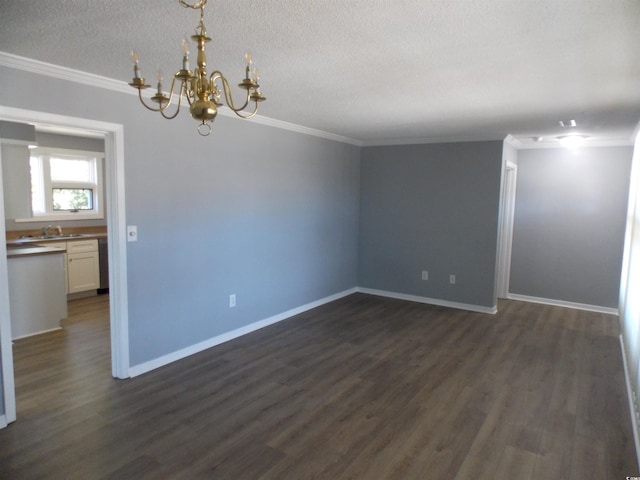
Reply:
x=249 y=64
x=256 y=77
x=185 y=58
x=159 y=81
x=136 y=67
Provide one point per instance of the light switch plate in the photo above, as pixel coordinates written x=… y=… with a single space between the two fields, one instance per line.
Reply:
x=132 y=233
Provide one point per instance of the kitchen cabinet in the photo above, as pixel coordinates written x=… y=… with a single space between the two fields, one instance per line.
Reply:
x=37 y=293
x=82 y=264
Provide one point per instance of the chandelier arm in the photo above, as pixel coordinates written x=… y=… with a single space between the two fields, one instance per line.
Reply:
x=198 y=5
x=170 y=117
x=153 y=109
x=188 y=93
x=244 y=115
x=163 y=109
x=227 y=94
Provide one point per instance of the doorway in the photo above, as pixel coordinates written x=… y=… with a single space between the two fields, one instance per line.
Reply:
x=505 y=239
x=116 y=228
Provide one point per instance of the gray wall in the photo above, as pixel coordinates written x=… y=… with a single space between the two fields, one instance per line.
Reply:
x=17 y=180
x=431 y=207
x=569 y=224
x=264 y=213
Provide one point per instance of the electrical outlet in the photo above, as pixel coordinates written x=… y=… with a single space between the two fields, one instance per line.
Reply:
x=425 y=275
x=232 y=300
x=452 y=279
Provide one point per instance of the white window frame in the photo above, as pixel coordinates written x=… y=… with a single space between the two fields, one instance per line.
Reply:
x=45 y=211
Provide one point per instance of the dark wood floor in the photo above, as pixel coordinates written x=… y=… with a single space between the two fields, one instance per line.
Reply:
x=363 y=388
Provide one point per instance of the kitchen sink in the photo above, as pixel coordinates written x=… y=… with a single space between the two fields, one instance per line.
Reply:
x=53 y=237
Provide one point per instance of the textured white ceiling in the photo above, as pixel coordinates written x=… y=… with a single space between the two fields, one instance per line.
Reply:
x=374 y=70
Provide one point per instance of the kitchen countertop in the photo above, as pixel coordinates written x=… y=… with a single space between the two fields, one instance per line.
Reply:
x=16 y=251
x=55 y=238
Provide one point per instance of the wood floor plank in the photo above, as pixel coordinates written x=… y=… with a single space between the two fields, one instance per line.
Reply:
x=362 y=388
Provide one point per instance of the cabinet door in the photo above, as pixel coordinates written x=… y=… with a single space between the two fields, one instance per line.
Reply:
x=83 y=271
x=62 y=246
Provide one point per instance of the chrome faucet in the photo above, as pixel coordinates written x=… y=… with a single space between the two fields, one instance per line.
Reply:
x=45 y=230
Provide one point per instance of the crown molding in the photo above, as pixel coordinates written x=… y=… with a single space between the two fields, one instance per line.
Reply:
x=62 y=73
x=271 y=122
x=84 y=78
x=587 y=144
x=426 y=140
x=513 y=141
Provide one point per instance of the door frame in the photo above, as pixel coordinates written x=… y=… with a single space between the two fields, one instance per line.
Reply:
x=505 y=239
x=117 y=241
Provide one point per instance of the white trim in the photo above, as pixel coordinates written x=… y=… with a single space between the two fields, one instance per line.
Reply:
x=6 y=345
x=426 y=140
x=631 y=397
x=297 y=128
x=84 y=78
x=3 y=421
x=116 y=225
x=635 y=135
x=431 y=301
x=505 y=225
x=588 y=144
x=513 y=141
x=38 y=333
x=563 y=303
x=117 y=245
x=63 y=73
x=623 y=142
x=145 y=367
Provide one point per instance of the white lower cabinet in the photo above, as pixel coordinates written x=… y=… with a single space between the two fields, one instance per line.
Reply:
x=82 y=264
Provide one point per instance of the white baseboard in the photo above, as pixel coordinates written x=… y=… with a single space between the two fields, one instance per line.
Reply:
x=37 y=333
x=3 y=421
x=631 y=397
x=562 y=303
x=145 y=367
x=431 y=301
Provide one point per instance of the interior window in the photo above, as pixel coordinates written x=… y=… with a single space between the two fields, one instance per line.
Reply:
x=66 y=184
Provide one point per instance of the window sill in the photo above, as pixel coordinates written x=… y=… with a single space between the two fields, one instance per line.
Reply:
x=61 y=218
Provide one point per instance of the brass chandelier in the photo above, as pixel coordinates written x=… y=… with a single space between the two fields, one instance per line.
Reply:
x=203 y=93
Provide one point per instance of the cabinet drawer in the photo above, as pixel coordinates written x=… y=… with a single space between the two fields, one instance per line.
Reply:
x=82 y=246
x=59 y=245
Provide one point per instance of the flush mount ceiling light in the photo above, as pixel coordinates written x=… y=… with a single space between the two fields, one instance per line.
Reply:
x=203 y=92
x=572 y=141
